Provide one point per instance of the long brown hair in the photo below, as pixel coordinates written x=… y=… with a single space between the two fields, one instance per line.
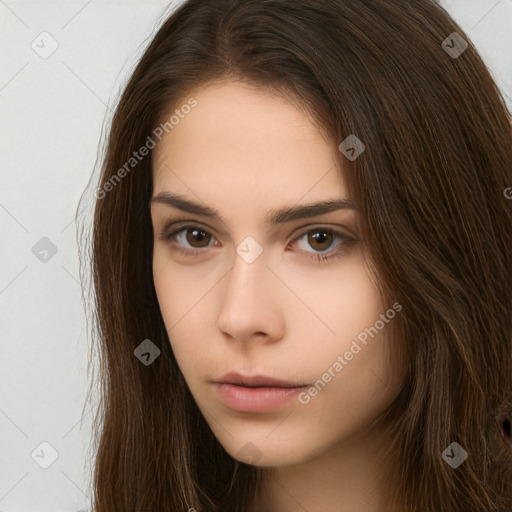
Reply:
x=430 y=191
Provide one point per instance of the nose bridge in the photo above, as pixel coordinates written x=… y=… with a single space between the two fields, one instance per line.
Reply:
x=249 y=269
x=246 y=282
x=248 y=305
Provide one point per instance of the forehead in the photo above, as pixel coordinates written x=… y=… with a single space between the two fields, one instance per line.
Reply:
x=238 y=138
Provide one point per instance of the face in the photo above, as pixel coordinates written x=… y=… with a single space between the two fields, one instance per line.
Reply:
x=283 y=295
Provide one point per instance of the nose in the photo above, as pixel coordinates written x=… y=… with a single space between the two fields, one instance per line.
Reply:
x=252 y=302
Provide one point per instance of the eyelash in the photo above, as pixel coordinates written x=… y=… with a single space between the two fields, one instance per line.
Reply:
x=322 y=257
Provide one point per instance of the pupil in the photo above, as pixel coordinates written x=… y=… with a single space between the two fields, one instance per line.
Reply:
x=320 y=237
x=199 y=235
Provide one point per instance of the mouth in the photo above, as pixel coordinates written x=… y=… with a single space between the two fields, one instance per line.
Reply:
x=258 y=381
x=257 y=393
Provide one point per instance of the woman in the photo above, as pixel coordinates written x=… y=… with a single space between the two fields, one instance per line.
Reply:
x=301 y=262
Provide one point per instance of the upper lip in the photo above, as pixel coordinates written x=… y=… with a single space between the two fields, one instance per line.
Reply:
x=253 y=381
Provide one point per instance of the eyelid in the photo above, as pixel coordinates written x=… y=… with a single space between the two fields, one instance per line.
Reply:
x=173 y=227
x=338 y=230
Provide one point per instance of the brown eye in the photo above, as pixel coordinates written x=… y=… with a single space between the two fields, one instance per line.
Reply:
x=320 y=239
x=189 y=239
x=196 y=237
x=323 y=243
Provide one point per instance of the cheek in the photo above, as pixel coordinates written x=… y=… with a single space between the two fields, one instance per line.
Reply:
x=180 y=289
x=182 y=298
x=189 y=298
x=342 y=301
x=353 y=390
x=355 y=365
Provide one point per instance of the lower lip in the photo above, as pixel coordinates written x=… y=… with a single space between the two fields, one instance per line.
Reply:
x=255 y=399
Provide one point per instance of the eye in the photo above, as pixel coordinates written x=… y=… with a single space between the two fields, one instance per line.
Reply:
x=191 y=236
x=321 y=239
x=192 y=239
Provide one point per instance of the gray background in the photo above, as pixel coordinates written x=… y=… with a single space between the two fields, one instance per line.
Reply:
x=52 y=113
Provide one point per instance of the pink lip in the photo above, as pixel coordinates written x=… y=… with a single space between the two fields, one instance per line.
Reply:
x=257 y=381
x=255 y=393
x=255 y=399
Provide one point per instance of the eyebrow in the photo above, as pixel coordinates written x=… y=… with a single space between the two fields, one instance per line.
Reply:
x=273 y=217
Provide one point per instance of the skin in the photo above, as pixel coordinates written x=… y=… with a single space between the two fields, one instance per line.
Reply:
x=244 y=151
